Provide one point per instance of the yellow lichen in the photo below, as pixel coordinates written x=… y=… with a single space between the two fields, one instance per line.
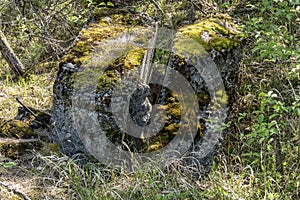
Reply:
x=216 y=33
x=173 y=107
x=134 y=58
x=199 y=129
x=108 y=24
x=45 y=66
x=90 y=38
x=155 y=146
x=107 y=80
x=203 y=99
x=172 y=127
x=13 y=148
x=221 y=99
x=185 y=45
x=159 y=141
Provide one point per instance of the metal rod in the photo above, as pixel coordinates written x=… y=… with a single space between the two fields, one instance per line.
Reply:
x=146 y=69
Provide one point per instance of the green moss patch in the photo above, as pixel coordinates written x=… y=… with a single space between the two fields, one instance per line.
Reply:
x=14 y=148
x=89 y=38
x=16 y=129
x=134 y=58
x=108 y=24
x=218 y=33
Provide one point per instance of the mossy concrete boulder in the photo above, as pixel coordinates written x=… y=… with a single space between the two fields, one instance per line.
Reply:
x=212 y=41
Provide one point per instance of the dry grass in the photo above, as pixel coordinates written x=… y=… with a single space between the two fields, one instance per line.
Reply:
x=35 y=92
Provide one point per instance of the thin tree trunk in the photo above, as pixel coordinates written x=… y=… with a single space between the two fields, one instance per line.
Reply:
x=10 y=57
x=278 y=153
x=298 y=143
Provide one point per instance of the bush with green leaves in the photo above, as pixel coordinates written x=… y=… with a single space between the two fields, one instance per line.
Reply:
x=276 y=121
x=272 y=132
x=275 y=30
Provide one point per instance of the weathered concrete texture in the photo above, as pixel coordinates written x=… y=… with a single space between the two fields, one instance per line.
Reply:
x=204 y=148
x=63 y=129
x=206 y=54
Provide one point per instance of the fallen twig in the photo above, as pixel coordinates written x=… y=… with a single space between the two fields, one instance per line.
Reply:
x=28 y=109
x=157 y=6
x=31 y=112
x=200 y=9
x=15 y=190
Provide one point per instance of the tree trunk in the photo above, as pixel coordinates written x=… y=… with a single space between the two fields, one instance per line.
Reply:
x=10 y=56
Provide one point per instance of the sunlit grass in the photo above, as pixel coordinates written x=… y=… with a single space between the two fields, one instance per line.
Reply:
x=95 y=181
x=36 y=92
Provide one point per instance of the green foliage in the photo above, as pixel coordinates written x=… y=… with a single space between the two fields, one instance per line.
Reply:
x=267 y=117
x=8 y=164
x=274 y=30
x=97 y=3
x=40 y=31
x=271 y=119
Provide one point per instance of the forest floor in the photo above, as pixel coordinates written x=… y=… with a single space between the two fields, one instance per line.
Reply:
x=23 y=176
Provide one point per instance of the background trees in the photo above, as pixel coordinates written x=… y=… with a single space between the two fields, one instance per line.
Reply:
x=40 y=31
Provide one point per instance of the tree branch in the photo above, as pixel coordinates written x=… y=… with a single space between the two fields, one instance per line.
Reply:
x=10 y=57
x=15 y=190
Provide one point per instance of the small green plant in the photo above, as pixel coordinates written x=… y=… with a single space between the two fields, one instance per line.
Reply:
x=272 y=122
x=265 y=127
x=7 y=164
